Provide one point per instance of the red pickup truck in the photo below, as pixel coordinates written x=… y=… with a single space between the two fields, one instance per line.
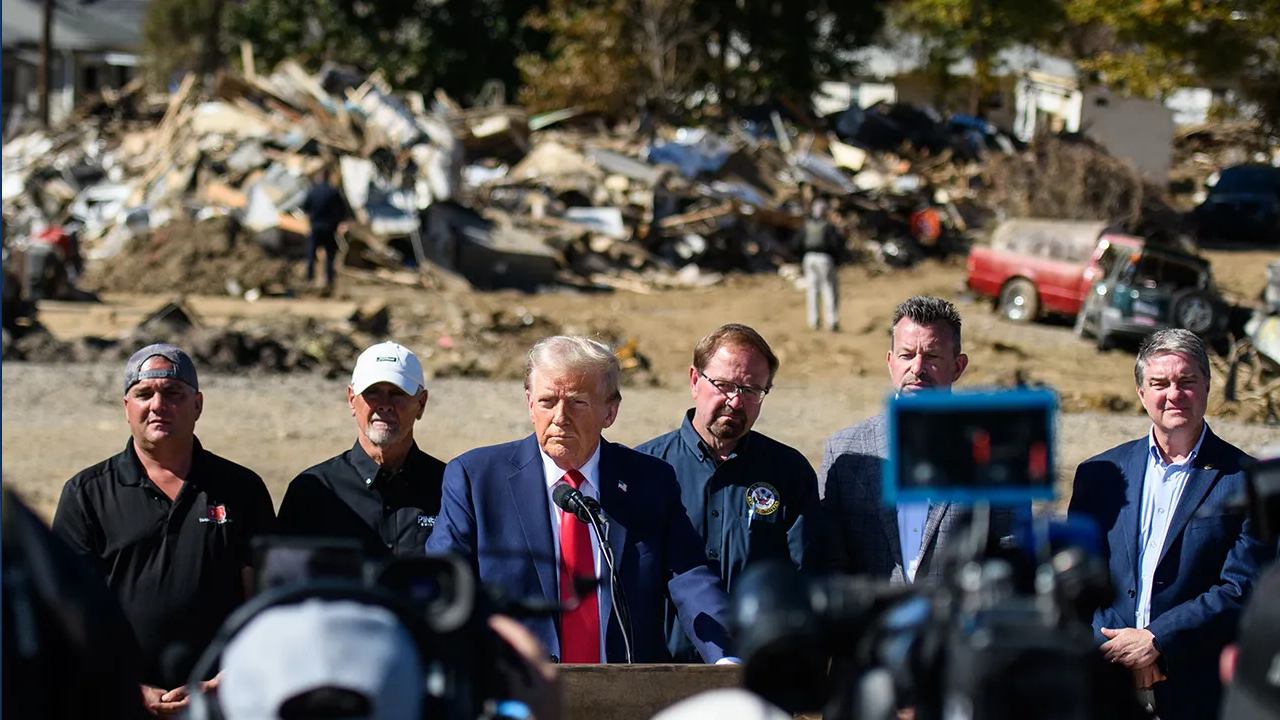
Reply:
x=1037 y=267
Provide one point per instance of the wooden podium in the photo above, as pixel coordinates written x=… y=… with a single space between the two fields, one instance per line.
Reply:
x=637 y=692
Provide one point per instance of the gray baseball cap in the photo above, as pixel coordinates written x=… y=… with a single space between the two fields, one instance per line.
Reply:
x=184 y=368
x=289 y=652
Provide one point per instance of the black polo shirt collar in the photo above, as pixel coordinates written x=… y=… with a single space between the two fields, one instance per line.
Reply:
x=696 y=445
x=376 y=476
x=130 y=472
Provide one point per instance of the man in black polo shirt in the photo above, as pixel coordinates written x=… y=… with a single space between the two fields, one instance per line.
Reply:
x=384 y=491
x=167 y=522
x=749 y=496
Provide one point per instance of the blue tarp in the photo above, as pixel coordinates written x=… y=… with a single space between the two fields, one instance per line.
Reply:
x=694 y=154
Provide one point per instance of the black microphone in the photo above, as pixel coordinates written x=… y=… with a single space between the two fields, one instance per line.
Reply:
x=572 y=501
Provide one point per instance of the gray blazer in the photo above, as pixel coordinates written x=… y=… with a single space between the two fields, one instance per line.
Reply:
x=862 y=533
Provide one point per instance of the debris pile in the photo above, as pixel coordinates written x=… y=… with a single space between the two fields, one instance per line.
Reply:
x=449 y=341
x=1074 y=179
x=490 y=193
x=1200 y=152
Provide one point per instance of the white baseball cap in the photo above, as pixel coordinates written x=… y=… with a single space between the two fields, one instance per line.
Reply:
x=388 y=362
x=289 y=652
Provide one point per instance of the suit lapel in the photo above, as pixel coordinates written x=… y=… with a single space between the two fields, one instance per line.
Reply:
x=1135 y=472
x=888 y=515
x=936 y=512
x=612 y=499
x=1204 y=475
x=613 y=504
x=529 y=496
x=889 y=523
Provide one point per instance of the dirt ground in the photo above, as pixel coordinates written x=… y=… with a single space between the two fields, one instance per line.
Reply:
x=60 y=418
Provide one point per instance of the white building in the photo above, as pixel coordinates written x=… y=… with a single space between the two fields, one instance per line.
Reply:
x=95 y=45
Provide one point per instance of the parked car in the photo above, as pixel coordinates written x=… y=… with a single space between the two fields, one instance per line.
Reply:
x=1037 y=267
x=1243 y=205
x=1153 y=289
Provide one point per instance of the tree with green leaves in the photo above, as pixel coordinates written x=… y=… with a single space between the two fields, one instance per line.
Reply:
x=179 y=36
x=763 y=50
x=678 y=54
x=613 y=56
x=1151 y=47
x=454 y=45
x=976 y=29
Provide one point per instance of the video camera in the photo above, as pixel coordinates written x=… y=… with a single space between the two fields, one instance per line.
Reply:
x=1005 y=635
x=437 y=599
x=1262 y=496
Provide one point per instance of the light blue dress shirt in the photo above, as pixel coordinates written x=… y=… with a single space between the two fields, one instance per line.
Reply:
x=1162 y=488
x=911 y=520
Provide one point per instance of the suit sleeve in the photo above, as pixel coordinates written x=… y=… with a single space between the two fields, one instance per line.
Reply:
x=697 y=592
x=805 y=538
x=1079 y=503
x=1081 y=506
x=1205 y=623
x=455 y=528
x=835 y=550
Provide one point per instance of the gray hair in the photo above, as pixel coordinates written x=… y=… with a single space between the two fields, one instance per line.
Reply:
x=1173 y=340
x=575 y=352
x=924 y=310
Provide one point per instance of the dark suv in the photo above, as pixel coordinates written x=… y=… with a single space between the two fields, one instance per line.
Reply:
x=1243 y=205
x=1149 y=290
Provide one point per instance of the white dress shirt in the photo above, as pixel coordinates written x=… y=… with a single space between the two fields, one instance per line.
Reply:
x=911 y=521
x=591 y=488
x=1162 y=488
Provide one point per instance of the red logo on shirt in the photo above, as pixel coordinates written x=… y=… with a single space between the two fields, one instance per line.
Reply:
x=218 y=513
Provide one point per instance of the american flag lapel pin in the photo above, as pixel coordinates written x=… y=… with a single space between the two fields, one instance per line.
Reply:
x=622 y=486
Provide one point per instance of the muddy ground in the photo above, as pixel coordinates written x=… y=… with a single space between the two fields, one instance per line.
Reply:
x=60 y=418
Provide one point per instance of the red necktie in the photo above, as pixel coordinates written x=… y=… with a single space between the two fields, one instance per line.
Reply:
x=580 y=627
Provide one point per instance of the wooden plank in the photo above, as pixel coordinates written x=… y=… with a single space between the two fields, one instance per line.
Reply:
x=693 y=217
x=223 y=194
x=246 y=59
x=637 y=692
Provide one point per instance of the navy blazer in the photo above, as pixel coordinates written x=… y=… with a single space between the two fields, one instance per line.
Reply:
x=496 y=514
x=1206 y=570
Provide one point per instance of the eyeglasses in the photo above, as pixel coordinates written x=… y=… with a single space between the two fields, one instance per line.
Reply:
x=730 y=390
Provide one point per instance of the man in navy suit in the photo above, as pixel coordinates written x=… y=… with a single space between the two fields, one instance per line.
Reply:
x=497 y=512
x=1182 y=557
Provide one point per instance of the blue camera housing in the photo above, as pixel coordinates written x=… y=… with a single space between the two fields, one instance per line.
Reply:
x=1022 y=419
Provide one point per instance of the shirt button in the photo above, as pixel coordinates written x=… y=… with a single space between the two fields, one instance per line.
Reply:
x=715 y=513
x=1132 y=593
x=713 y=555
x=368 y=481
x=390 y=546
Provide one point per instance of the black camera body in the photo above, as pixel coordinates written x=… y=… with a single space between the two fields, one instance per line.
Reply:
x=437 y=598
x=982 y=645
x=1006 y=633
x=1262 y=497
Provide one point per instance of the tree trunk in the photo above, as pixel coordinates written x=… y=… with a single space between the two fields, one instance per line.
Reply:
x=213 y=40
x=46 y=58
x=978 y=83
x=981 y=58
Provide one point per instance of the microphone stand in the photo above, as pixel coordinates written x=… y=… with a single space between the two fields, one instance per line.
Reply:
x=617 y=597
